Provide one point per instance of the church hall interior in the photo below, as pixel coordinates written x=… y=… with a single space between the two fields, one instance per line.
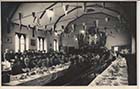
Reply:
x=69 y=43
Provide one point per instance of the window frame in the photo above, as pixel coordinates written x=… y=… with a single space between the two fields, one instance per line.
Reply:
x=19 y=35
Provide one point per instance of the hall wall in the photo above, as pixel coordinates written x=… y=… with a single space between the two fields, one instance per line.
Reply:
x=15 y=28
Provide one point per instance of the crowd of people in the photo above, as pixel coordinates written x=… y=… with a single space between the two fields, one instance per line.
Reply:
x=33 y=59
x=39 y=59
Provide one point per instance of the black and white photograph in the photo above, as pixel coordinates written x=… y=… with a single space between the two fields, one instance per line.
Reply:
x=68 y=43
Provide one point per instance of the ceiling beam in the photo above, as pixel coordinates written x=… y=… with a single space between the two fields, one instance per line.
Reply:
x=110 y=9
x=38 y=12
x=64 y=15
x=88 y=14
x=47 y=9
x=96 y=5
x=13 y=12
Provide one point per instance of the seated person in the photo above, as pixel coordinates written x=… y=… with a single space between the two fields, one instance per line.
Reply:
x=32 y=63
x=18 y=66
x=6 y=65
x=6 y=55
x=26 y=61
x=6 y=71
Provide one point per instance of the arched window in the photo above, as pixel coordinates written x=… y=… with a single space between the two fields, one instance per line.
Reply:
x=16 y=43
x=45 y=45
x=40 y=43
x=27 y=43
x=56 y=46
x=20 y=42
x=38 y=48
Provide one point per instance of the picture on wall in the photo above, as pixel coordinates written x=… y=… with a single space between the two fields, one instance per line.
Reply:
x=33 y=42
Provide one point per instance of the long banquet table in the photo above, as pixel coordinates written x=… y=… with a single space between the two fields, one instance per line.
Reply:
x=115 y=75
x=39 y=79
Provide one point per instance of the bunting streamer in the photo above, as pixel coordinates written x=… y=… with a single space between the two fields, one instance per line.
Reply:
x=50 y=31
x=38 y=21
x=34 y=15
x=28 y=27
x=45 y=26
x=62 y=26
x=84 y=7
x=20 y=22
x=34 y=28
x=65 y=7
x=50 y=19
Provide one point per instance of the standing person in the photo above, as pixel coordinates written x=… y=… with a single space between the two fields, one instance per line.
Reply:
x=6 y=55
x=6 y=71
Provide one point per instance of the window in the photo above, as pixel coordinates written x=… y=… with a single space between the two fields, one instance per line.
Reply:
x=27 y=43
x=38 y=48
x=56 y=46
x=41 y=44
x=16 y=43
x=45 y=45
x=20 y=42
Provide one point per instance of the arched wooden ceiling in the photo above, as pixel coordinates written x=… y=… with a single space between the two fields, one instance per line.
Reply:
x=75 y=10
